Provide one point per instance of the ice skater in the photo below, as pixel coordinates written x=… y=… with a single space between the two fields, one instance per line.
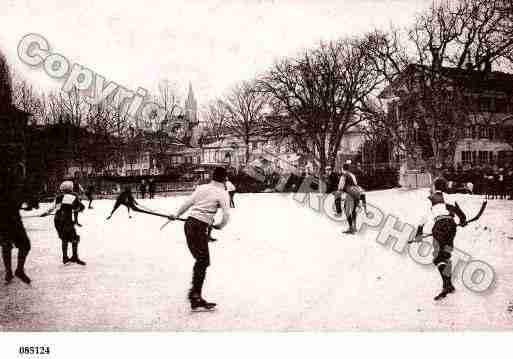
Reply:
x=231 y=191
x=126 y=199
x=354 y=194
x=202 y=206
x=13 y=127
x=142 y=189
x=89 y=194
x=332 y=179
x=78 y=190
x=152 y=187
x=444 y=230
x=67 y=203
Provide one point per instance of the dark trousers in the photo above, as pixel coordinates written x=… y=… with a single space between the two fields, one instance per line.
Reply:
x=350 y=205
x=338 y=205
x=13 y=234
x=444 y=231
x=118 y=204
x=197 y=241
x=90 y=199
x=232 y=193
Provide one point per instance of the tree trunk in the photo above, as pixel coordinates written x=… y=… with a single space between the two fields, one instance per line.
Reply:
x=247 y=150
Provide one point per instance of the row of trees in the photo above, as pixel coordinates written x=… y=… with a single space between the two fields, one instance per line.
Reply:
x=67 y=127
x=314 y=98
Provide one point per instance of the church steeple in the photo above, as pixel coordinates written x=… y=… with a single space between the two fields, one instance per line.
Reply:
x=191 y=106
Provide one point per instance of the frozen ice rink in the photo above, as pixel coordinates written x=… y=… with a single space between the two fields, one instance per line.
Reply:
x=277 y=266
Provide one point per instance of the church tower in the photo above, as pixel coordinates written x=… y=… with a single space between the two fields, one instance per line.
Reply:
x=191 y=107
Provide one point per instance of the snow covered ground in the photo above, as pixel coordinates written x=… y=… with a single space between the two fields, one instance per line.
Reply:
x=278 y=266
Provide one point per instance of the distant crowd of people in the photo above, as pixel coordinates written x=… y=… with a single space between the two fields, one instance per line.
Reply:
x=494 y=183
x=147 y=187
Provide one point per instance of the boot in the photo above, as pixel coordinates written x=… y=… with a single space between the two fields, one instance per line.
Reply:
x=65 y=258
x=199 y=304
x=6 y=256
x=448 y=288
x=74 y=257
x=8 y=277
x=351 y=229
x=20 y=270
x=20 y=273
x=76 y=219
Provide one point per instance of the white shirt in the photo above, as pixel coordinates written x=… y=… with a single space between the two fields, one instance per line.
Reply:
x=439 y=209
x=206 y=199
x=229 y=186
x=342 y=182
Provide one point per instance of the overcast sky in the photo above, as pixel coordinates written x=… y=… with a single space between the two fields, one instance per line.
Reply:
x=212 y=44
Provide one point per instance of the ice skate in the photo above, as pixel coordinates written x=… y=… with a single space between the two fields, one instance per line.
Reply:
x=77 y=261
x=201 y=305
x=8 y=277
x=21 y=274
x=447 y=290
x=74 y=257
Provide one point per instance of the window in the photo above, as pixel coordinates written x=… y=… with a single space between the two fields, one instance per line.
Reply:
x=483 y=156
x=484 y=104
x=484 y=132
x=475 y=131
x=468 y=133
x=501 y=105
x=466 y=156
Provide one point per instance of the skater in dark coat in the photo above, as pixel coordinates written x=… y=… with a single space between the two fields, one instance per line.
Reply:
x=78 y=190
x=332 y=179
x=202 y=206
x=152 y=188
x=67 y=203
x=89 y=194
x=142 y=189
x=126 y=199
x=13 y=128
x=444 y=230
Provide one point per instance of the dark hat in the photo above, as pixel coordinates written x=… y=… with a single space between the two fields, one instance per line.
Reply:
x=219 y=174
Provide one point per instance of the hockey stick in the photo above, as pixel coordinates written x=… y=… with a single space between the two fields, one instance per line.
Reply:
x=158 y=215
x=475 y=218
x=152 y=213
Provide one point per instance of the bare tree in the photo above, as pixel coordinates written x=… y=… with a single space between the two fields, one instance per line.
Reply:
x=168 y=98
x=435 y=101
x=214 y=127
x=319 y=96
x=5 y=85
x=245 y=113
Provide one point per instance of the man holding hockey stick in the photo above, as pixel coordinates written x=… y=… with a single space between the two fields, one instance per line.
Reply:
x=443 y=232
x=202 y=206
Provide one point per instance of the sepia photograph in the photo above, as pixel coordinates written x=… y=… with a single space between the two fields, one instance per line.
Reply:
x=255 y=174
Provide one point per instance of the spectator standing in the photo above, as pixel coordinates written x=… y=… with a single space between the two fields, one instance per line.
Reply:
x=142 y=189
